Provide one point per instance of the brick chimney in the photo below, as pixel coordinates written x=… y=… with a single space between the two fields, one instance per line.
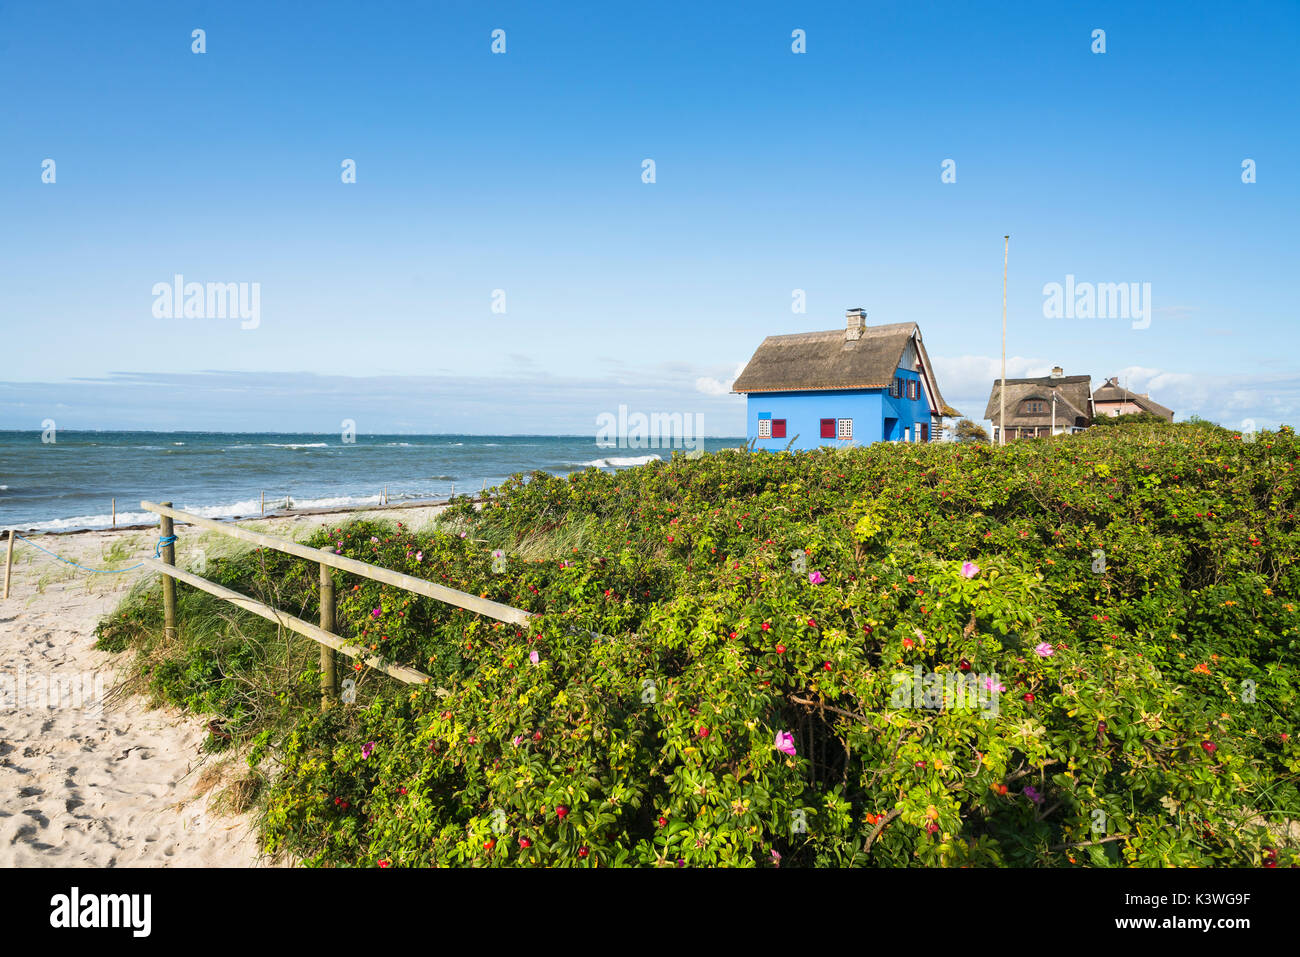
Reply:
x=855 y=323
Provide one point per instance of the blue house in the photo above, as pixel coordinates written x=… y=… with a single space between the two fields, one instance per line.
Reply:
x=853 y=386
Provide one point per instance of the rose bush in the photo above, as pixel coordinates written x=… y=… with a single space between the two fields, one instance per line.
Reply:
x=720 y=664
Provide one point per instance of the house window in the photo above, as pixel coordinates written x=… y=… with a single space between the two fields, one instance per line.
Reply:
x=778 y=428
x=911 y=388
x=925 y=431
x=844 y=429
x=764 y=428
x=896 y=389
x=828 y=428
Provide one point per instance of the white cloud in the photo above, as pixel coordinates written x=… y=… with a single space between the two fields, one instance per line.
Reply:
x=974 y=375
x=711 y=386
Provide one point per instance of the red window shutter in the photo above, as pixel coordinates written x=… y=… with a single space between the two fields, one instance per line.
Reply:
x=828 y=428
x=925 y=431
x=778 y=428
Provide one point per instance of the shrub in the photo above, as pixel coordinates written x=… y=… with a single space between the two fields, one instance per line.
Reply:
x=728 y=650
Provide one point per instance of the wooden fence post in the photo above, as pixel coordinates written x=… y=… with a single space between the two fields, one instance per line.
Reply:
x=165 y=530
x=9 y=561
x=263 y=501
x=115 y=513
x=328 y=678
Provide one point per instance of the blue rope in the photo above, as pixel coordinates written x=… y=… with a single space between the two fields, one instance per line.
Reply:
x=162 y=543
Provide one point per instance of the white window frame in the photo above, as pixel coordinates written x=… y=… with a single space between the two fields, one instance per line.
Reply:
x=764 y=428
x=844 y=430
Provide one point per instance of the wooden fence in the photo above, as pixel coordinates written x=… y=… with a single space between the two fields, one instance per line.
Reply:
x=327 y=559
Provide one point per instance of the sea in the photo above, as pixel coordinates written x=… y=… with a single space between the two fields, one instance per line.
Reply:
x=68 y=480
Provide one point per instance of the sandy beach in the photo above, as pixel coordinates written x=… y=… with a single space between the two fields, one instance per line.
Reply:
x=110 y=784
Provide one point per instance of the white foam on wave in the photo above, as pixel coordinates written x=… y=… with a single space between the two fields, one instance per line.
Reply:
x=296 y=445
x=94 y=521
x=247 y=508
x=620 y=463
x=338 y=501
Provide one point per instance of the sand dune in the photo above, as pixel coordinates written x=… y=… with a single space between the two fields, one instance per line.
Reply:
x=94 y=783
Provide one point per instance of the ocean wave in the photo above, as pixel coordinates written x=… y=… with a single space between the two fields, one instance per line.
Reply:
x=247 y=508
x=296 y=445
x=94 y=521
x=337 y=501
x=619 y=463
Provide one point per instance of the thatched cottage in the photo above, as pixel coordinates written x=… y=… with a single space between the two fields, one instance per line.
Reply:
x=1114 y=399
x=1060 y=404
x=855 y=385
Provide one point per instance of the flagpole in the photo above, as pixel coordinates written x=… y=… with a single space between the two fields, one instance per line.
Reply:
x=1002 y=392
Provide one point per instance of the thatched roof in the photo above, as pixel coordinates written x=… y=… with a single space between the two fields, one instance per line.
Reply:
x=1072 y=393
x=822 y=361
x=1111 y=391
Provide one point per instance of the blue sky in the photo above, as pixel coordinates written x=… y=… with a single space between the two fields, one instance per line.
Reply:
x=522 y=172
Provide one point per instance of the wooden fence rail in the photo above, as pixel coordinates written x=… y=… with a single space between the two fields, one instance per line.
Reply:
x=419 y=586
x=325 y=557
x=304 y=628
